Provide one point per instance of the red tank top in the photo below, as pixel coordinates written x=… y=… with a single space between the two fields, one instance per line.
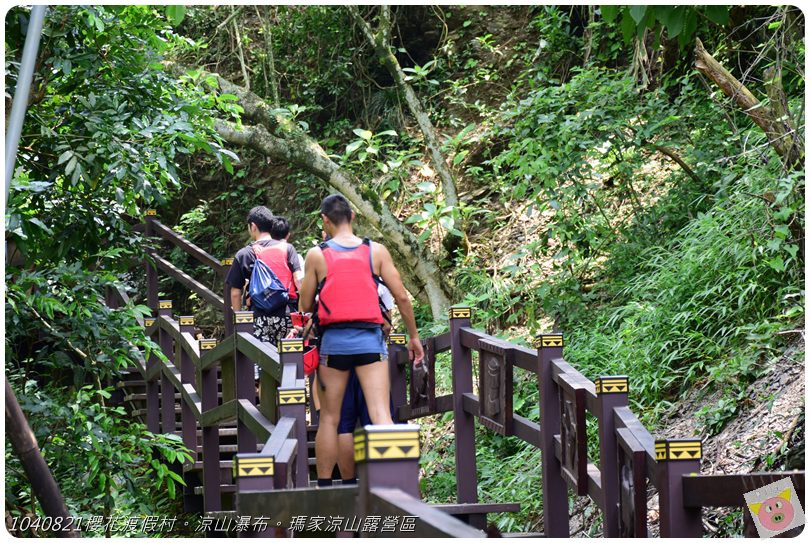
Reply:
x=349 y=292
x=275 y=256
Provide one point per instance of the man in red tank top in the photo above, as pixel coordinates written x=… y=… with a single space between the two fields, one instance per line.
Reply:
x=344 y=273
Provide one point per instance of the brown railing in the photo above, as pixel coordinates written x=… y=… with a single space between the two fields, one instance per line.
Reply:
x=274 y=481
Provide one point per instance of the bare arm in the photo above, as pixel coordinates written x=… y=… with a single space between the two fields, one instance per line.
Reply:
x=314 y=264
x=393 y=281
x=298 y=278
x=236 y=299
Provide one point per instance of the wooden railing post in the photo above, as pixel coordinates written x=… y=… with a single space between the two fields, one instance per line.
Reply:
x=387 y=456
x=227 y=311
x=152 y=389
x=252 y=471
x=227 y=369
x=151 y=271
x=611 y=392
x=167 y=406
x=555 y=491
x=676 y=458
x=245 y=381
x=188 y=422
x=292 y=402
x=397 y=364
x=466 y=475
x=151 y=385
x=210 y=434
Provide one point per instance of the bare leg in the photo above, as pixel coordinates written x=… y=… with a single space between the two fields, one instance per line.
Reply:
x=330 y=390
x=316 y=400
x=374 y=380
x=346 y=455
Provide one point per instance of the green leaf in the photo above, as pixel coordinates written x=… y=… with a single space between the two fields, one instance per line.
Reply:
x=70 y=166
x=637 y=13
x=689 y=27
x=175 y=14
x=41 y=224
x=609 y=13
x=64 y=157
x=717 y=14
x=672 y=18
x=226 y=163
x=426 y=186
x=353 y=146
x=364 y=134
x=388 y=133
x=628 y=27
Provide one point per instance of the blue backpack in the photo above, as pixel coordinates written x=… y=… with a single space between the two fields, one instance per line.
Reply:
x=266 y=291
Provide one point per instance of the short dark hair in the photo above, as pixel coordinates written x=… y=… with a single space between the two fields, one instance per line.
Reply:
x=281 y=227
x=262 y=218
x=337 y=209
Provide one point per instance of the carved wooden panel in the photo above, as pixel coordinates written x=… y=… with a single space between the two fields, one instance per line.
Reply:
x=631 y=460
x=495 y=387
x=573 y=438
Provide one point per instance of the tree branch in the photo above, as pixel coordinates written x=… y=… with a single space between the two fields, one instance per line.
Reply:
x=780 y=137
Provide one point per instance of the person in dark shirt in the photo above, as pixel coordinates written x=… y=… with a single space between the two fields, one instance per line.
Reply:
x=267 y=326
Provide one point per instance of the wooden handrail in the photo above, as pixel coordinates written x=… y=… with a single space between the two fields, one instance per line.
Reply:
x=288 y=379
x=221 y=413
x=223 y=349
x=185 y=279
x=182 y=243
x=260 y=352
x=283 y=430
x=625 y=418
x=254 y=420
x=728 y=490
x=429 y=521
x=191 y=346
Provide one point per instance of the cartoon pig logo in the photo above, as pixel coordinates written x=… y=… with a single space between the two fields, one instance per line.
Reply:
x=775 y=514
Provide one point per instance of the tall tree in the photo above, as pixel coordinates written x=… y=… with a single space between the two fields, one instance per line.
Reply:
x=380 y=41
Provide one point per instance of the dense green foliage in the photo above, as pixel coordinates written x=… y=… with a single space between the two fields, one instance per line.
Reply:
x=607 y=189
x=103 y=132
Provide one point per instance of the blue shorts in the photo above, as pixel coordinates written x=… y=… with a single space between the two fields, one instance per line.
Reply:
x=354 y=407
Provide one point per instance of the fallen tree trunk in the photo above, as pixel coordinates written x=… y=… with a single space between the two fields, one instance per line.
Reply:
x=781 y=135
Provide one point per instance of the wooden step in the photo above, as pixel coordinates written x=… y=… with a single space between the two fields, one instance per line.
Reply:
x=229 y=431
x=335 y=482
x=140 y=397
x=230 y=448
x=128 y=384
x=142 y=412
x=223 y=489
x=198 y=466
